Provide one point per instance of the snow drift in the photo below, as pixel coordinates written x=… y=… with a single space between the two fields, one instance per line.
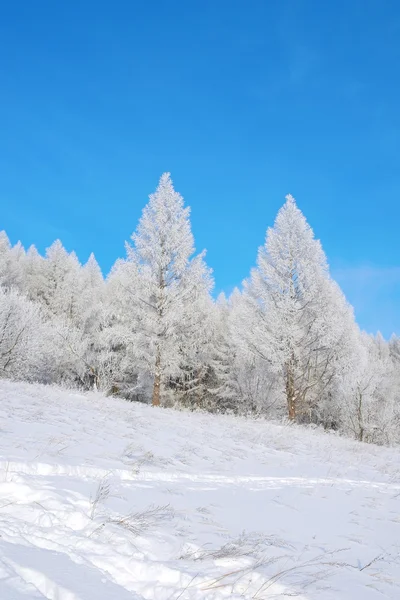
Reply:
x=102 y=499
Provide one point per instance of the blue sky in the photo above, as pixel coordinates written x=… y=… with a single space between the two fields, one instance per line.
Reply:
x=242 y=101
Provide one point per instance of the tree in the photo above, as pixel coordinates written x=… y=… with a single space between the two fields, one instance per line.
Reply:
x=300 y=321
x=371 y=410
x=91 y=321
x=24 y=339
x=11 y=263
x=394 y=349
x=34 y=275
x=71 y=298
x=5 y=248
x=223 y=386
x=57 y=283
x=256 y=372
x=167 y=290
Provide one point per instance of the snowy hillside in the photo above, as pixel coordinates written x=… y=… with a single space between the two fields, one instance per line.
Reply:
x=101 y=500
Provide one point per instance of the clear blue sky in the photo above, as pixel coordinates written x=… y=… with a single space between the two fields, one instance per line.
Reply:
x=243 y=101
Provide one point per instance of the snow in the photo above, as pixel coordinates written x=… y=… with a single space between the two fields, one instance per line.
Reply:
x=101 y=499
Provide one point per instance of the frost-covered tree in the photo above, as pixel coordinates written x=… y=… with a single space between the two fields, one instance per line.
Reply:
x=256 y=371
x=298 y=320
x=223 y=385
x=167 y=290
x=78 y=321
x=394 y=349
x=5 y=248
x=240 y=381
x=92 y=312
x=24 y=338
x=119 y=333
x=60 y=282
x=71 y=297
x=371 y=409
x=11 y=263
x=34 y=275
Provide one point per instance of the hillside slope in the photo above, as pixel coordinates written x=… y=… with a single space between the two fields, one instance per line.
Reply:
x=102 y=499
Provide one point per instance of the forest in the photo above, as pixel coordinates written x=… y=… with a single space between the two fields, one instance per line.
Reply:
x=286 y=346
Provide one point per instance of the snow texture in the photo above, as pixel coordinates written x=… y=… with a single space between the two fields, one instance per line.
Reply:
x=101 y=499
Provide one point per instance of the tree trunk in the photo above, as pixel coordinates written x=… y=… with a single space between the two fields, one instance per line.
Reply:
x=93 y=379
x=157 y=381
x=360 y=417
x=290 y=392
x=160 y=315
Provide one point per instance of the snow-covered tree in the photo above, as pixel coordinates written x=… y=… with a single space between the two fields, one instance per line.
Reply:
x=24 y=338
x=5 y=248
x=256 y=372
x=11 y=263
x=71 y=297
x=34 y=277
x=60 y=293
x=223 y=385
x=78 y=321
x=371 y=410
x=167 y=290
x=119 y=333
x=92 y=312
x=298 y=319
x=394 y=349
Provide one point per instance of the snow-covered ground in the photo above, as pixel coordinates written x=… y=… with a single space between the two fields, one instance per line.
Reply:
x=102 y=499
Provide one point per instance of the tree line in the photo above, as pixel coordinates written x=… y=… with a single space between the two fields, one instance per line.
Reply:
x=284 y=346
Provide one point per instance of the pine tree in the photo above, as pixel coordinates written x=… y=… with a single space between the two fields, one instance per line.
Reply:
x=256 y=371
x=34 y=275
x=58 y=283
x=24 y=339
x=78 y=319
x=371 y=410
x=11 y=263
x=295 y=308
x=167 y=289
x=5 y=248
x=224 y=386
x=91 y=322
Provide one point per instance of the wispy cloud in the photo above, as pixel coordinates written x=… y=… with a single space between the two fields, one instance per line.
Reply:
x=374 y=291
x=367 y=275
